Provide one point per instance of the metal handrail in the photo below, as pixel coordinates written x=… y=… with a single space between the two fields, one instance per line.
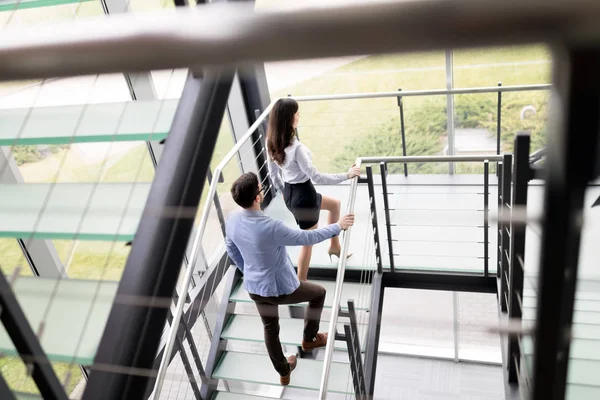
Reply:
x=430 y=159
x=196 y=251
x=235 y=34
x=337 y=297
x=433 y=92
x=337 y=294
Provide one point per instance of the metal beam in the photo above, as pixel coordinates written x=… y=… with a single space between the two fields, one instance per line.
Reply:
x=440 y=281
x=573 y=142
x=5 y=392
x=517 y=251
x=374 y=221
x=373 y=333
x=233 y=34
x=27 y=344
x=132 y=333
x=504 y=246
x=239 y=126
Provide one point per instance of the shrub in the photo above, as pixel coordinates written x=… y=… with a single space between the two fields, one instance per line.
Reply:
x=29 y=154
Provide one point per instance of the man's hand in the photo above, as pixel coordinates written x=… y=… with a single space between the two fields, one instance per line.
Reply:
x=346 y=221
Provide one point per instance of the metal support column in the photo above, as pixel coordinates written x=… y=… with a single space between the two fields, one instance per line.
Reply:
x=572 y=158
x=504 y=245
x=373 y=208
x=402 y=131
x=133 y=330
x=386 y=209
x=517 y=253
x=450 y=106
x=486 y=222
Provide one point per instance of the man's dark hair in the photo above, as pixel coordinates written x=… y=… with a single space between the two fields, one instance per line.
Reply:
x=245 y=189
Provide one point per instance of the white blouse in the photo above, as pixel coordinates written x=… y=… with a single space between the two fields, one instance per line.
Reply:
x=298 y=168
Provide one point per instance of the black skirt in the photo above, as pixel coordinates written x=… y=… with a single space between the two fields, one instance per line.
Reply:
x=304 y=202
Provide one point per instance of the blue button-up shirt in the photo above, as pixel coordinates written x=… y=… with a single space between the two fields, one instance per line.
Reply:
x=256 y=244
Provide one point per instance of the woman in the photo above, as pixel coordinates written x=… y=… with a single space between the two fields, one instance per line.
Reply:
x=291 y=171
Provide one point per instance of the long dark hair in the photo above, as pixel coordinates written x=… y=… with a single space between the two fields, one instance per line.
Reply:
x=281 y=130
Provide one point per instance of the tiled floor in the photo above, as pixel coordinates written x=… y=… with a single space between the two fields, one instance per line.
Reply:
x=410 y=378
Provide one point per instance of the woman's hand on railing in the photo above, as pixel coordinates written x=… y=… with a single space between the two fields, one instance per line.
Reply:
x=346 y=221
x=354 y=171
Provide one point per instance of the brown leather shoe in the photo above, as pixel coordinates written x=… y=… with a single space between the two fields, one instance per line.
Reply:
x=319 y=341
x=285 y=380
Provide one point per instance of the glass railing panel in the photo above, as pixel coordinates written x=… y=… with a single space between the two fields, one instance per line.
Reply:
x=437 y=222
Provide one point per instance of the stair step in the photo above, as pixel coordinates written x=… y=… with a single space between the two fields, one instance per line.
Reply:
x=257 y=368
x=581 y=304
x=360 y=293
x=579 y=317
x=582 y=392
x=26 y=396
x=11 y=5
x=74 y=314
x=85 y=211
x=250 y=328
x=124 y=121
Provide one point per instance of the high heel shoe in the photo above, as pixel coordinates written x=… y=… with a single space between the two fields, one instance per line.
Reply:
x=337 y=253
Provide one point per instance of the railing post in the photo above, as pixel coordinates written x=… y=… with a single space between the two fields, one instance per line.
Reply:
x=386 y=209
x=374 y=218
x=499 y=227
x=505 y=211
x=486 y=224
x=402 y=131
x=499 y=121
x=517 y=253
x=352 y=339
x=499 y=126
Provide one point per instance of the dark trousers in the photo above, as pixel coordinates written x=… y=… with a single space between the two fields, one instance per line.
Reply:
x=268 y=308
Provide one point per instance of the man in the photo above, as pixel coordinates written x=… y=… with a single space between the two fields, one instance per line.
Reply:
x=256 y=244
